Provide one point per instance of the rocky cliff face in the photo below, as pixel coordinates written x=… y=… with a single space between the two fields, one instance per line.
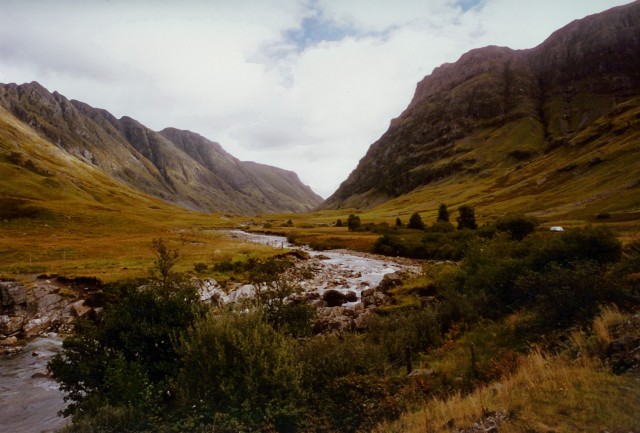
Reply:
x=498 y=107
x=179 y=167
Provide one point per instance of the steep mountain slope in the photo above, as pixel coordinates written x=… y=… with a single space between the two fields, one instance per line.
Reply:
x=191 y=172
x=500 y=123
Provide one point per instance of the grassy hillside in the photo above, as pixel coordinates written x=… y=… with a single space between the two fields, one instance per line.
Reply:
x=59 y=214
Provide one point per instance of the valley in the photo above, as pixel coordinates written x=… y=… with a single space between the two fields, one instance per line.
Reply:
x=479 y=269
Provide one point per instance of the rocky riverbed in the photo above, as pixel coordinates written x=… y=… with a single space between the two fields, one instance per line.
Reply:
x=345 y=288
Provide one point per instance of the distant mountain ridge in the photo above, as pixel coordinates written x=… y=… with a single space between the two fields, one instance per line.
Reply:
x=180 y=167
x=499 y=112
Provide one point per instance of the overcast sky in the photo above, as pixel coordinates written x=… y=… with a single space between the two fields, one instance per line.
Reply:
x=303 y=85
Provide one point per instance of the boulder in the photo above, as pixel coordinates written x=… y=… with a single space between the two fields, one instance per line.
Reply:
x=12 y=293
x=334 y=298
x=36 y=326
x=11 y=324
x=9 y=341
x=351 y=296
x=389 y=281
x=79 y=309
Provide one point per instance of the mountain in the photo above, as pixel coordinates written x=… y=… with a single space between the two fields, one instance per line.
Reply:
x=544 y=129
x=179 y=167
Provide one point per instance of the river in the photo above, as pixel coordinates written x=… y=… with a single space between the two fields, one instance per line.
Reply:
x=29 y=400
x=340 y=270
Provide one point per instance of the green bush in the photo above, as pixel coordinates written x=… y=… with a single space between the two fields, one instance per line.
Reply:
x=518 y=226
x=130 y=358
x=236 y=364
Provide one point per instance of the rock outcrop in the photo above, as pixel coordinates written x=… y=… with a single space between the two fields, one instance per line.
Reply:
x=30 y=311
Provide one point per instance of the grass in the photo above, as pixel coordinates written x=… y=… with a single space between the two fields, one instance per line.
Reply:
x=559 y=393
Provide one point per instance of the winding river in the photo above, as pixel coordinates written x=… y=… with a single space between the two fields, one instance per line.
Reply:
x=30 y=401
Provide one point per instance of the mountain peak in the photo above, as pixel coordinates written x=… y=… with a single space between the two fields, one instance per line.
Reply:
x=180 y=167
x=496 y=109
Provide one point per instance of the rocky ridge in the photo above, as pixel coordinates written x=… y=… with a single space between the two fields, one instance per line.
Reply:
x=180 y=167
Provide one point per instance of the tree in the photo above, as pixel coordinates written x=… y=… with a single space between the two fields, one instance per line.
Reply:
x=131 y=357
x=518 y=226
x=353 y=222
x=166 y=258
x=398 y=222
x=339 y=223
x=443 y=213
x=467 y=218
x=415 y=222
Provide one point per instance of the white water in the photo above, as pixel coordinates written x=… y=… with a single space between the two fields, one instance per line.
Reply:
x=352 y=272
x=30 y=404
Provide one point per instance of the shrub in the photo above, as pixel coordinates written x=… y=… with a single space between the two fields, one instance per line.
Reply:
x=518 y=226
x=353 y=222
x=238 y=365
x=467 y=218
x=443 y=213
x=415 y=222
x=131 y=357
x=200 y=267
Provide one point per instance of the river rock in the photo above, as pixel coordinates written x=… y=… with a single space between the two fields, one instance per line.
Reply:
x=79 y=309
x=12 y=293
x=390 y=281
x=36 y=326
x=9 y=341
x=334 y=298
x=11 y=324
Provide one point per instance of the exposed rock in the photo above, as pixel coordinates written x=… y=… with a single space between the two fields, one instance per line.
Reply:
x=11 y=324
x=334 y=298
x=79 y=308
x=424 y=372
x=489 y=423
x=11 y=293
x=9 y=341
x=390 y=281
x=623 y=353
x=28 y=312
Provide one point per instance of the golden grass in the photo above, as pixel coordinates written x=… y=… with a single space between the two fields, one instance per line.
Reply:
x=545 y=393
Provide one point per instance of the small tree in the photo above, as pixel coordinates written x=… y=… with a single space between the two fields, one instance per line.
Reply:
x=353 y=222
x=467 y=218
x=166 y=258
x=398 y=222
x=518 y=226
x=339 y=223
x=443 y=213
x=415 y=222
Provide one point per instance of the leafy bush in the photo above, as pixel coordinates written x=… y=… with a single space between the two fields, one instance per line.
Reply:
x=415 y=222
x=238 y=365
x=131 y=358
x=353 y=222
x=518 y=226
x=466 y=218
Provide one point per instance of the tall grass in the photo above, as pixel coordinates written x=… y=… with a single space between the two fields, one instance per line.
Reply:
x=546 y=393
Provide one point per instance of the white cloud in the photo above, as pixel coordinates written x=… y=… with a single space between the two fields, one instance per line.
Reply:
x=255 y=75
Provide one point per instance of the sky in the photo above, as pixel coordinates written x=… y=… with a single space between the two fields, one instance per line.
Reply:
x=304 y=85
